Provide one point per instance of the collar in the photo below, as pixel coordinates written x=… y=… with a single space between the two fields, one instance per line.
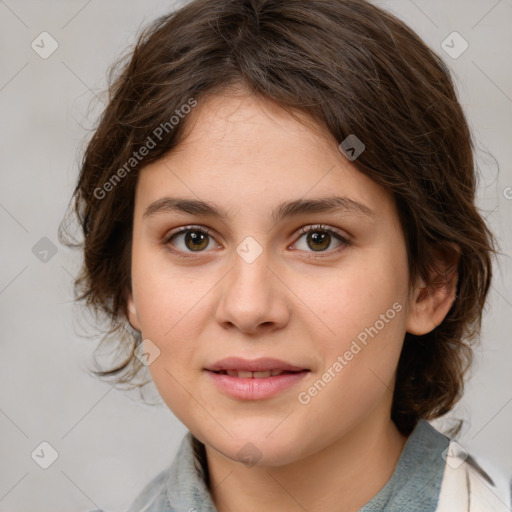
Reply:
x=415 y=482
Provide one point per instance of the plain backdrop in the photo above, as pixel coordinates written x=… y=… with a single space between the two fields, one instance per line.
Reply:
x=109 y=444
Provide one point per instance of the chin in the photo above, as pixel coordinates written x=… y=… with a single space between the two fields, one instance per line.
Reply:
x=258 y=446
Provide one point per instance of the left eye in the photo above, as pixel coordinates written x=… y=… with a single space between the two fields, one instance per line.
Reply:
x=318 y=238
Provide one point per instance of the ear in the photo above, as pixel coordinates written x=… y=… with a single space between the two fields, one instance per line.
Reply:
x=432 y=301
x=132 y=312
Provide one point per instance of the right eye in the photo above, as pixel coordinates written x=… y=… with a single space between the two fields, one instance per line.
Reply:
x=190 y=239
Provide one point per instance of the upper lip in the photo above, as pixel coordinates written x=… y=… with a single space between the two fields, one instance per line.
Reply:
x=253 y=365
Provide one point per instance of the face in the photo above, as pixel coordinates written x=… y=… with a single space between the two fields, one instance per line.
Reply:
x=323 y=290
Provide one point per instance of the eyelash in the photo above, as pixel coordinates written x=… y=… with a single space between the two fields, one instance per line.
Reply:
x=303 y=231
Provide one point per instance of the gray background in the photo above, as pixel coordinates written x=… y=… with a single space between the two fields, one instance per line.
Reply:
x=109 y=443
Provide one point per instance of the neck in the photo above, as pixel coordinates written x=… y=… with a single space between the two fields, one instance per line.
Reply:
x=344 y=476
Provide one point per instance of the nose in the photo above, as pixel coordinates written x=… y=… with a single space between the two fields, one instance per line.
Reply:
x=253 y=298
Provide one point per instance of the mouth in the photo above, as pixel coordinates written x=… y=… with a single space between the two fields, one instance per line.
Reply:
x=254 y=366
x=256 y=379
x=243 y=374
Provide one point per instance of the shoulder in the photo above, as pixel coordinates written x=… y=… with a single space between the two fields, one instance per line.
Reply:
x=473 y=484
x=152 y=498
x=181 y=486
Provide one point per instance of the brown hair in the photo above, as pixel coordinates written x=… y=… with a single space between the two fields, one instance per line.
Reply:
x=353 y=69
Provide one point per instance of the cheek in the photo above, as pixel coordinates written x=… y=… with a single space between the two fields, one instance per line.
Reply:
x=364 y=308
x=168 y=307
x=164 y=296
x=357 y=303
x=360 y=358
x=172 y=305
x=169 y=316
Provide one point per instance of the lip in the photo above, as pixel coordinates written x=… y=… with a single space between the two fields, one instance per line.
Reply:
x=262 y=364
x=254 y=388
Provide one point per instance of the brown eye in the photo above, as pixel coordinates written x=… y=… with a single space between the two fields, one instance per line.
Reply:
x=190 y=240
x=196 y=241
x=319 y=239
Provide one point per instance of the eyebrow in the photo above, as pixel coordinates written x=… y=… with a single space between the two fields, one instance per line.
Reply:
x=297 y=207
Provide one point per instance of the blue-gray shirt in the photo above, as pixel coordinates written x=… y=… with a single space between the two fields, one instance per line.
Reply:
x=414 y=485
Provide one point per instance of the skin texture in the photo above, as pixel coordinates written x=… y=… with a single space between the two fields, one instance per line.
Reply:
x=246 y=155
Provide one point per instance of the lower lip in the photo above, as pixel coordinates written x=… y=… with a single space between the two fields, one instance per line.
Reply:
x=255 y=389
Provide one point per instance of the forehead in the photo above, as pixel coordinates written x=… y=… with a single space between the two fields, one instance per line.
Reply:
x=250 y=153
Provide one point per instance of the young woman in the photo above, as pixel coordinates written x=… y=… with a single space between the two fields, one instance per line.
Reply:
x=280 y=201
